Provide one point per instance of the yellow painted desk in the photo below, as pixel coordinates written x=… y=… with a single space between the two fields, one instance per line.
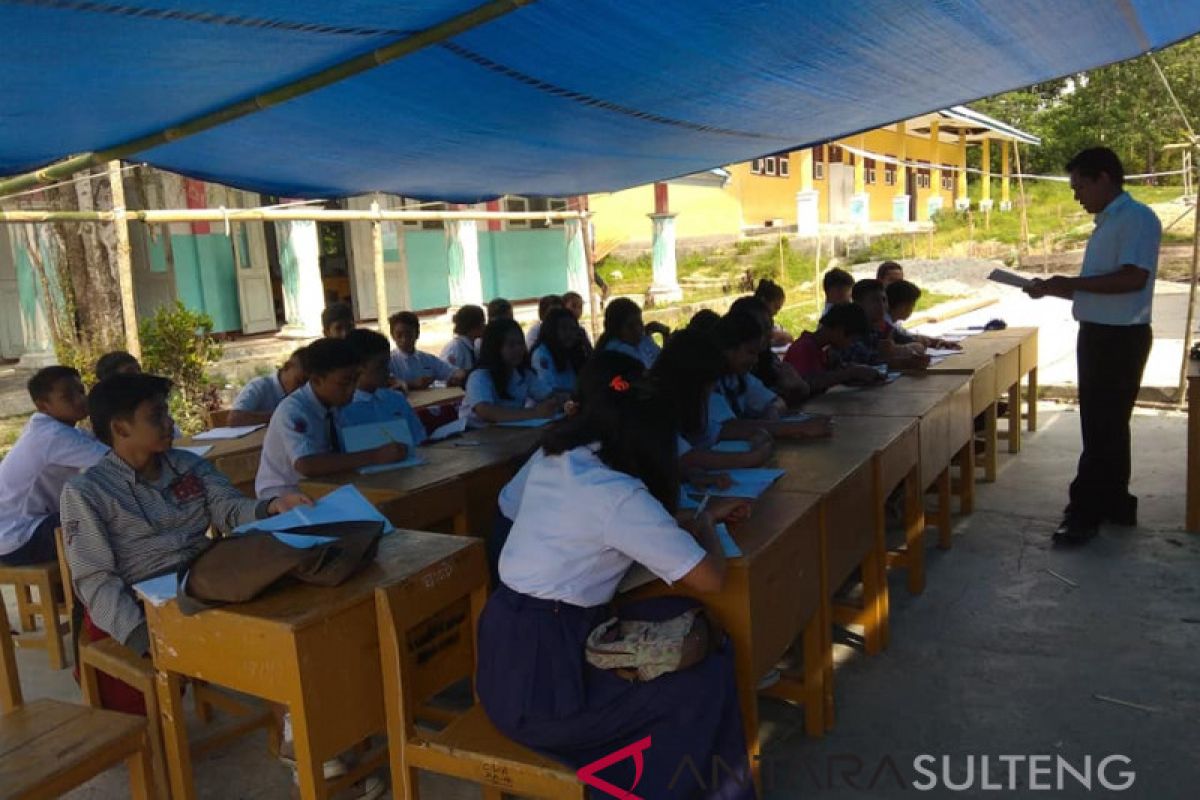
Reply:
x=315 y=650
x=1006 y=354
x=1028 y=338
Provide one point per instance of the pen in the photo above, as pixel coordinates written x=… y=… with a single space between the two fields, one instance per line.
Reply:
x=703 y=503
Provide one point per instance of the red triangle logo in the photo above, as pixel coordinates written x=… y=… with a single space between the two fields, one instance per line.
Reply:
x=588 y=774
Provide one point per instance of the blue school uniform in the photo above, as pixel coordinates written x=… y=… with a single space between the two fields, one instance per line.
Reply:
x=543 y=365
x=524 y=388
x=460 y=353
x=263 y=394
x=646 y=351
x=416 y=365
x=746 y=395
x=382 y=405
x=301 y=426
x=580 y=526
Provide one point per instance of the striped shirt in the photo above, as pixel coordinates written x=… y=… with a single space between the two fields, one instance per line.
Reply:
x=119 y=529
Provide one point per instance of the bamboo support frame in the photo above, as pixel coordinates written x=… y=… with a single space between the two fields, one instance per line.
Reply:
x=381 y=298
x=1181 y=389
x=133 y=341
x=338 y=72
x=164 y=216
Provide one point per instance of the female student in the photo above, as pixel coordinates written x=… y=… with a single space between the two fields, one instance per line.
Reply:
x=560 y=350
x=599 y=496
x=502 y=387
x=772 y=296
x=625 y=333
x=774 y=374
x=459 y=352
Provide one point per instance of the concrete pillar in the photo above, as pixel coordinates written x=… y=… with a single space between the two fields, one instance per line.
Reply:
x=462 y=241
x=962 y=200
x=808 y=201
x=901 y=202
x=1005 y=175
x=664 y=287
x=860 y=202
x=985 y=195
x=577 y=267
x=934 y=202
x=300 y=268
x=806 y=170
x=38 y=345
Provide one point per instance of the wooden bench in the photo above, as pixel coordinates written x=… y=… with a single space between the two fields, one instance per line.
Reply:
x=48 y=748
x=43 y=578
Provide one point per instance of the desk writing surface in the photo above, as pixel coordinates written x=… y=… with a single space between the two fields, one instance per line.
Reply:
x=222 y=448
x=969 y=361
x=819 y=465
x=878 y=403
x=421 y=398
x=922 y=381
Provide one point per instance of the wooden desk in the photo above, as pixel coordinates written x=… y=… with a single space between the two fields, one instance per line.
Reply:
x=423 y=398
x=1028 y=338
x=1007 y=355
x=1193 y=447
x=237 y=458
x=316 y=651
x=980 y=364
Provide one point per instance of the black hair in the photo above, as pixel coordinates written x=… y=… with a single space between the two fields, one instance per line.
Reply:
x=112 y=363
x=490 y=358
x=685 y=372
x=635 y=429
x=297 y=356
x=496 y=307
x=468 y=318
x=885 y=268
x=571 y=296
x=44 y=380
x=836 y=277
x=616 y=315
x=405 y=318
x=865 y=288
x=338 y=312
x=768 y=291
x=738 y=327
x=1094 y=160
x=547 y=303
x=848 y=317
x=118 y=397
x=328 y=355
x=599 y=371
x=902 y=292
x=367 y=344
x=559 y=353
x=704 y=320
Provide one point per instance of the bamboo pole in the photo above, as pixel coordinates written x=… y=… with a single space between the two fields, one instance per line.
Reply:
x=585 y=231
x=338 y=72
x=1180 y=392
x=160 y=217
x=120 y=221
x=381 y=298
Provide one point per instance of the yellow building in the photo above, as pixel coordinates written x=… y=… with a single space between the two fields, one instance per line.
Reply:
x=898 y=174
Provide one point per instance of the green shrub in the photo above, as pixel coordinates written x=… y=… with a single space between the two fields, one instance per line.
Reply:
x=177 y=343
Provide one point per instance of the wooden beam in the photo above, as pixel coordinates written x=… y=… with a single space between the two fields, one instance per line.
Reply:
x=161 y=217
x=381 y=298
x=120 y=221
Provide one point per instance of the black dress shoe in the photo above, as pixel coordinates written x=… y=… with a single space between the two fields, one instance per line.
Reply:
x=1075 y=531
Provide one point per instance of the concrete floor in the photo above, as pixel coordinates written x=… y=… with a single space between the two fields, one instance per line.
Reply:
x=997 y=658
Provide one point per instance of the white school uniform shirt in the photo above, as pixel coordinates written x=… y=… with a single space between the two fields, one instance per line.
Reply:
x=382 y=405
x=524 y=389
x=409 y=367
x=719 y=413
x=543 y=365
x=262 y=394
x=581 y=525
x=460 y=353
x=646 y=351
x=32 y=475
x=301 y=426
x=752 y=400
x=1127 y=232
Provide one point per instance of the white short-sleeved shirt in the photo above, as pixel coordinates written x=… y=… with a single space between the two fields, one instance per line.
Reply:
x=460 y=353
x=543 y=365
x=382 y=405
x=32 y=475
x=263 y=394
x=300 y=427
x=415 y=365
x=749 y=397
x=531 y=335
x=647 y=350
x=1127 y=232
x=719 y=413
x=581 y=525
x=524 y=388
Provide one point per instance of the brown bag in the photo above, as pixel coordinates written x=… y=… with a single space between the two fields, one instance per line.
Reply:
x=642 y=650
x=241 y=568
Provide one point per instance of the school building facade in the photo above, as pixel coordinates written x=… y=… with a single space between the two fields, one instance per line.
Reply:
x=259 y=277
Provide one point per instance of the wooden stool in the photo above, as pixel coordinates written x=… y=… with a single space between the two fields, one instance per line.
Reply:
x=48 y=748
x=469 y=747
x=44 y=578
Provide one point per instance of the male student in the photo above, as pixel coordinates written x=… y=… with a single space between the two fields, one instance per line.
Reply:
x=902 y=297
x=809 y=354
x=373 y=400
x=259 y=398
x=546 y=304
x=837 y=284
x=876 y=346
x=337 y=321
x=49 y=451
x=117 y=362
x=302 y=440
x=889 y=272
x=413 y=368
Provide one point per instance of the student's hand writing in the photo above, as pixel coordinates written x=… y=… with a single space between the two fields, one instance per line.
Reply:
x=390 y=453
x=286 y=502
x=729 y=509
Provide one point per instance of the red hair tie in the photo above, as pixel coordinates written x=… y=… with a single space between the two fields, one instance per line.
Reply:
x=619 y=384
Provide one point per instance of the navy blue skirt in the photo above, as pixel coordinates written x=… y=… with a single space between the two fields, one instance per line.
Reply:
x=538 y=689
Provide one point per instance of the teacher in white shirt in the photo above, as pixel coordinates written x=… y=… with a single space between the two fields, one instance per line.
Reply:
x=1111 y=297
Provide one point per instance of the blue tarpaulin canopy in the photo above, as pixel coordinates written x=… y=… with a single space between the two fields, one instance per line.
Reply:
x=559 y=97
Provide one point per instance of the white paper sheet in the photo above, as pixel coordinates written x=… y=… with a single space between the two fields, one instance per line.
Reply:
x=228 y=433
x=452 y=428
x=1009 y=278
x=200 y=450
x=344 y=504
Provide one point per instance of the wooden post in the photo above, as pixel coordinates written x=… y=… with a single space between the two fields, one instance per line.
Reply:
x=381 y=298
x=133 y=342
x=585 y=230
x=1023 y=246
x=1191 y=310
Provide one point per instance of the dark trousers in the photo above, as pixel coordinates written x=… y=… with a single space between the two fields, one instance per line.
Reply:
x=1110 y=360
x=40 y=548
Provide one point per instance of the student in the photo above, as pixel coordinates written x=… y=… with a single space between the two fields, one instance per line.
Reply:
x=774 y=374
x=546 y=304
x=460 y=353
x=902 y=298
x=413 y=368
x=259 y=398
x=118 y=362
x=625 y=333
x=301 y=440
x=876 y=346
x=809 y=355
x=772 y=296
x=600 y=496
x=889 y=272
x=337 y=321
x=560 y=352
x=499 y=308
x=838 y=285
x=49 y=451
x=374 y=400
x=503 y=388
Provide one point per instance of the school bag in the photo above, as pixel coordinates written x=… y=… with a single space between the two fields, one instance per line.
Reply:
x=643 y=650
